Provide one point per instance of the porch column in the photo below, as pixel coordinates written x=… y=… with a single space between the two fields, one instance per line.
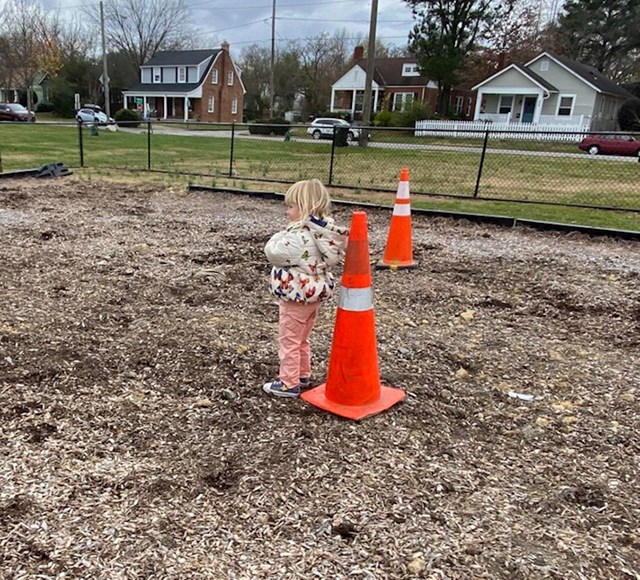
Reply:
x=375 y=100
x=354 y=96
x=164 y=116
x=333 y=99
x=186 y=109
x=476 y=114
x=538 y=110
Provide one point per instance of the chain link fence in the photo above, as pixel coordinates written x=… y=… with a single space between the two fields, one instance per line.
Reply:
x=487 y=166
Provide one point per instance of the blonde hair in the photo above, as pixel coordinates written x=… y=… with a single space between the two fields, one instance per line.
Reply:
x=310 y=197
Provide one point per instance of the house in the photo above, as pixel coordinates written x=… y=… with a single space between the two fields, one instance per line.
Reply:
x=189 y=84
x=397 y=83
x=550 y=89
x=40 y=90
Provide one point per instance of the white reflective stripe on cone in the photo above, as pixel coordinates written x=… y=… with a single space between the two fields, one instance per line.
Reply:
x=356 y=299
x=402 y=209
x=403 y=190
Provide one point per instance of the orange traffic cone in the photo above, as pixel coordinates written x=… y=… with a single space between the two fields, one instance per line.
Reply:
x=353 y=387
x=399 y=252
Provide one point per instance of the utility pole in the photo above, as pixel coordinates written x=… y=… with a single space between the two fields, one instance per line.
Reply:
x=272 y=81
x=366 y=105
x=105 y=74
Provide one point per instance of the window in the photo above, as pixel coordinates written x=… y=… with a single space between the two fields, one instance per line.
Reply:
x=234 y=106
x=212 y=105
x=565 y=105
x=230 y=78
x=410 y=70
x=157 y=74
x=182 y=74
x=402 y=101
x=459 y=105
x=544 y=66
x=214 y=76
x=506 y=102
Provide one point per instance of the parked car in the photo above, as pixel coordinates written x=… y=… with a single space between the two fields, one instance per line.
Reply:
x=610 y=145
x=15 y=112
x=323 y=128
x=93 y=116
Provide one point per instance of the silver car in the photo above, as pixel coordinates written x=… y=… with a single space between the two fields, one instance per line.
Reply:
x=322 y=128
x=86 y=115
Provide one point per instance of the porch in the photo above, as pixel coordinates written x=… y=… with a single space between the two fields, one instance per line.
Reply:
x=163 y=107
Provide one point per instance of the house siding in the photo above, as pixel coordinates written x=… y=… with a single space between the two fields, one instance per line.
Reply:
x=568 y=84
x=222 y=93
x=512 y=79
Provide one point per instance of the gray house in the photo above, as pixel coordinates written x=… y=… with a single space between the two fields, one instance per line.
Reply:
x=550 y=90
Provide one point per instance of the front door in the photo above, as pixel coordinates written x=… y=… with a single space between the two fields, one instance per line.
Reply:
x=528 y=109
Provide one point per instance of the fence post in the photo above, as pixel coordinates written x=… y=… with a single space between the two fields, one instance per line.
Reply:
x=149 y=145
x=484 y=151
x=333 y=148
x=233 y=136
x=80 y=144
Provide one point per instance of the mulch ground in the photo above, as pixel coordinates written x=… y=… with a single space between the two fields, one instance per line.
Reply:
x=135 y=440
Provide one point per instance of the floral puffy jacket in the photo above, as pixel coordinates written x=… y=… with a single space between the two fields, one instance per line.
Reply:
x=302 y=256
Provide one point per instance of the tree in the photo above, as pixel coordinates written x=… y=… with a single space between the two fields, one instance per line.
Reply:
x=255 y=63
x=140 y=28
x=604 y=34
x=513 y=36
x=31 y=45
x=445 y=33
x=629 y=115
x=321 y=57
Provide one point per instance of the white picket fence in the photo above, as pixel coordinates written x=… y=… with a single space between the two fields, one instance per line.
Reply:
x=550 y=129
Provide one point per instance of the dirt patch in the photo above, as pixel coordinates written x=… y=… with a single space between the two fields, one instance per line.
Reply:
x=136 y=442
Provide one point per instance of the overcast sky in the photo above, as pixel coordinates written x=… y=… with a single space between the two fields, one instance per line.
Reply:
x=245 y=22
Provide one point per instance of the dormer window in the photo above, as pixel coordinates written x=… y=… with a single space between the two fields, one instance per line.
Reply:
x=230 y=78
x=544 y=66
x=410 y=70
x=214 y=76
x=182 y=74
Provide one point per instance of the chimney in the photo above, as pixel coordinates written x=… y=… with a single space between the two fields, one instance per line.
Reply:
x=225 y=46
x=358 y=53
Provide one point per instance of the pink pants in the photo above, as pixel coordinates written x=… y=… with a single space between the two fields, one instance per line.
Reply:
x=294 y=351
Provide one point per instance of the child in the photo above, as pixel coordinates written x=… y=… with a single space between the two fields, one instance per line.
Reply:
x=302 y=256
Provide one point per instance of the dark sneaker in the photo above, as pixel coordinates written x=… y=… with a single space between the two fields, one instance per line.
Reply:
x=305 y=383
x=279 y=389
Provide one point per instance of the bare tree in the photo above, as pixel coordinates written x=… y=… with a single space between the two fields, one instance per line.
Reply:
x=31 y=45
x=140 y=28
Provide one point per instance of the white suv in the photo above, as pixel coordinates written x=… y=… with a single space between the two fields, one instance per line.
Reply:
x=323 y=128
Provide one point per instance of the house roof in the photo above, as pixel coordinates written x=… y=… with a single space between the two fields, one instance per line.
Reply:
x=180 y=57
x=388 y=72
x=588 y=73
x=537 y=78
x=165 y=87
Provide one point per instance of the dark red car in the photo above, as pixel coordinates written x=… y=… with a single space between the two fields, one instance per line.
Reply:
x=14 y=112
x=610 y=145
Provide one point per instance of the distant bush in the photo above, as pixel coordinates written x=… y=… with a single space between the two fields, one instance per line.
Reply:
x=127 y=118
x=271 y=126
x=629 y=115
x=44 y=107
x=383 y=119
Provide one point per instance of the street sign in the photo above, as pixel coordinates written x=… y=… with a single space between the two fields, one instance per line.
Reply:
x=101 y=79
x=76 y=101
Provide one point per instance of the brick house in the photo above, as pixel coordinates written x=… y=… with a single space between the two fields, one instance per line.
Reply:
x=203 y=85
x=397 y=84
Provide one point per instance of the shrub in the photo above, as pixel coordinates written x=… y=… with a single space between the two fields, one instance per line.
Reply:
x=383 y=119
x=629 y=115
x=44 y=107
x=276 y=126
x=127 y=118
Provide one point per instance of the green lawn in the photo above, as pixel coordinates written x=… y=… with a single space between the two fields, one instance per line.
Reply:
x=535 y=177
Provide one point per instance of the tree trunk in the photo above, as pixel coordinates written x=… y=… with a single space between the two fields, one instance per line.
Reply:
x=443 y=101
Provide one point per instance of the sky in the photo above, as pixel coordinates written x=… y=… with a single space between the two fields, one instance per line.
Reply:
x=246 y=22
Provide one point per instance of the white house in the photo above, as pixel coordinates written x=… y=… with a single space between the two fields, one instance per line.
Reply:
x=550 y=89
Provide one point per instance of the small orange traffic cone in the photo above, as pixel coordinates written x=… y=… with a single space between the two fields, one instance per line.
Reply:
x=399 y=252
x=353 y=387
